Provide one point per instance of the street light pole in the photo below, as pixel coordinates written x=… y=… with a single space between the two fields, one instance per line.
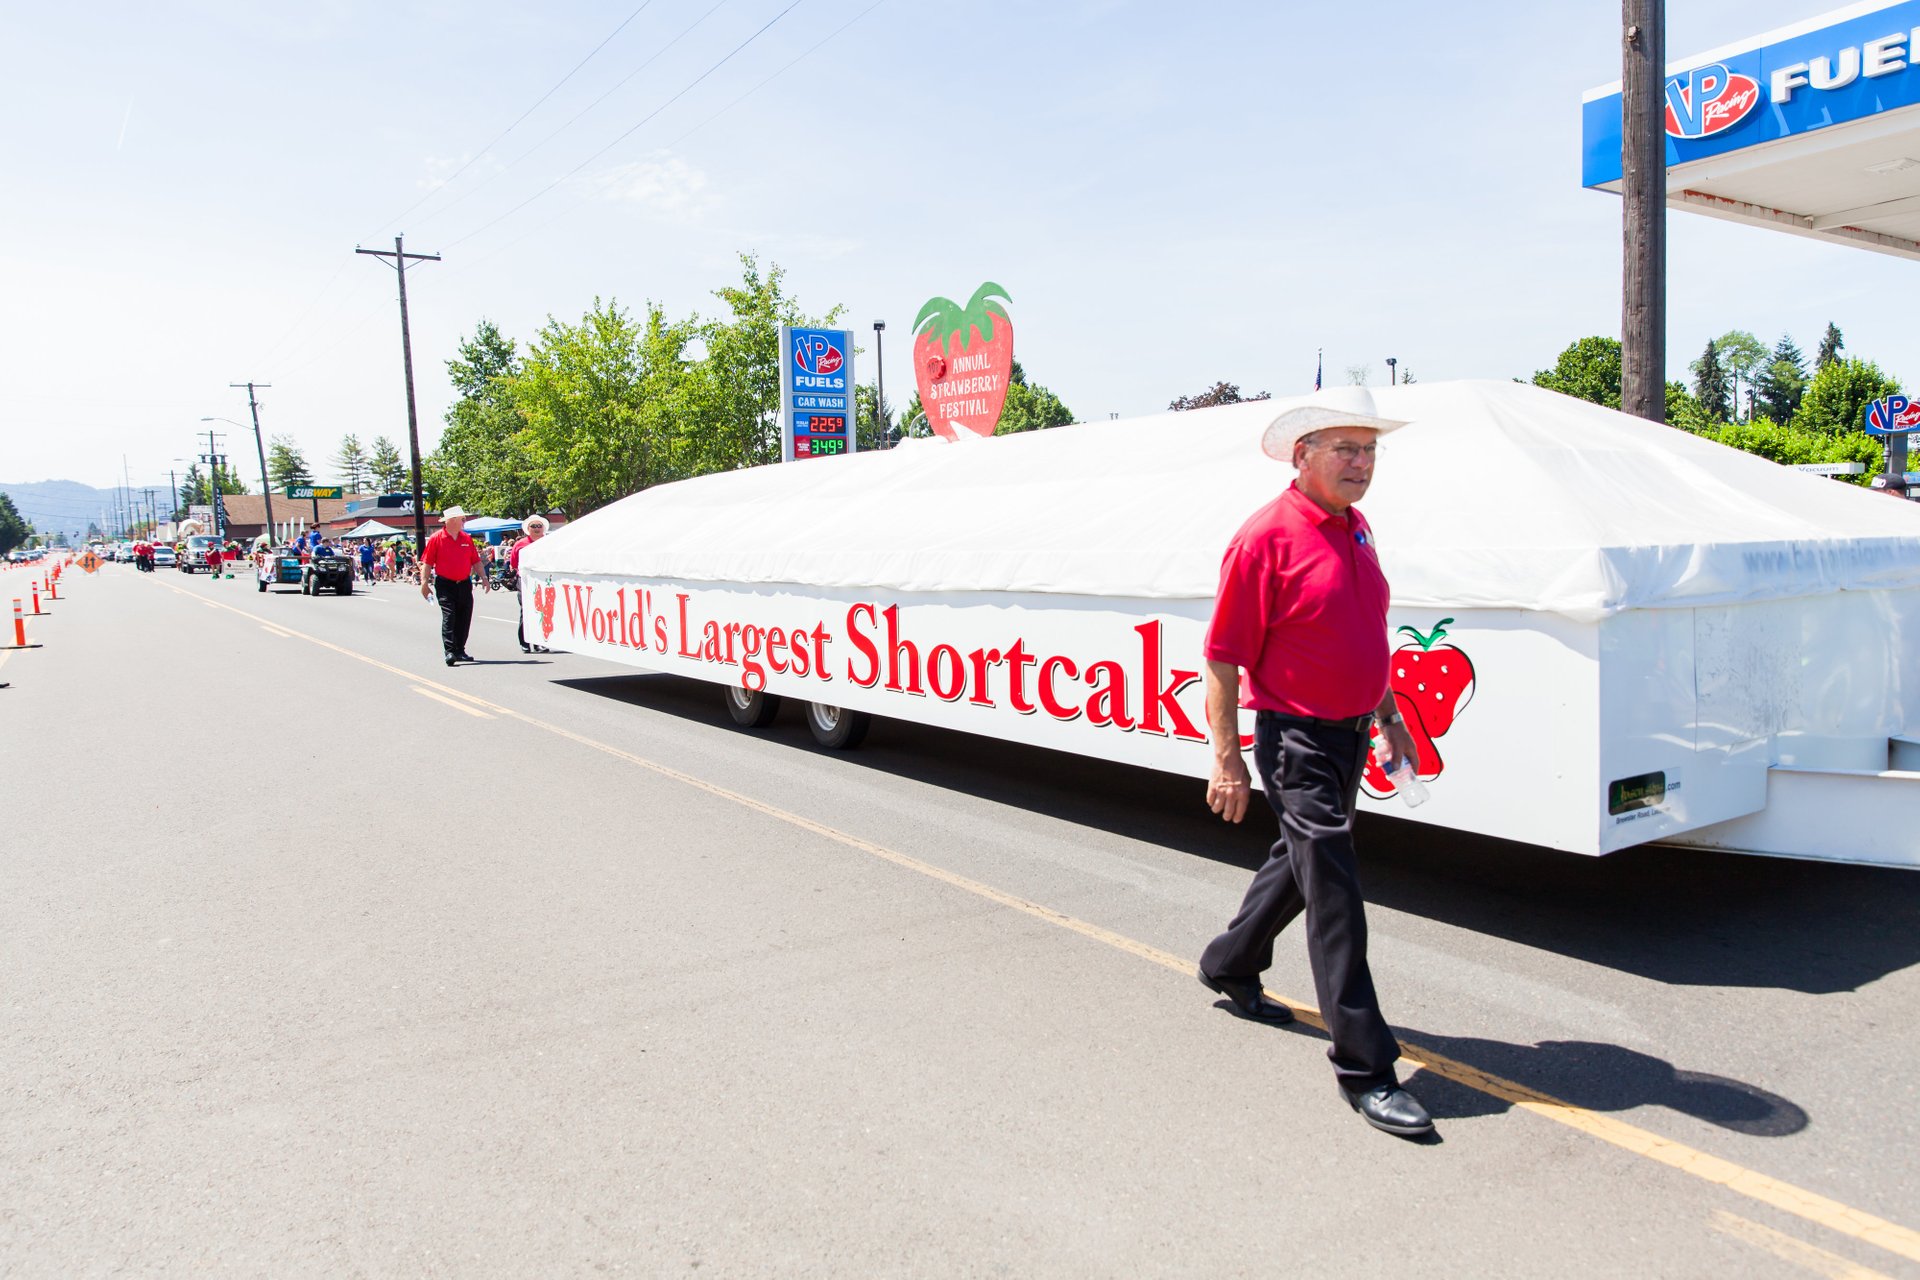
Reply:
x=1391 y=375
x=879 y=385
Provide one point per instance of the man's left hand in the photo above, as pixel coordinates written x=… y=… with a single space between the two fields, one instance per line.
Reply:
x=1395 y=743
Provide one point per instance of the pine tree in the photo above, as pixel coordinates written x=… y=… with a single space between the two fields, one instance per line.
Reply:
x=384 y=467
x=350 y=464
x=286 y=466
x=1782 y=381
x=1710 y=386
x=1830 y=344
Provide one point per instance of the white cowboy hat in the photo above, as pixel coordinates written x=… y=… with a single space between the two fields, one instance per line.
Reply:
x=1333 y=407
x=453 y=513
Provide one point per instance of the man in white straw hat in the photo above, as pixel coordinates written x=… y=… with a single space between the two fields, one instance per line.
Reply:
x=446 y=575
x=1302 y=609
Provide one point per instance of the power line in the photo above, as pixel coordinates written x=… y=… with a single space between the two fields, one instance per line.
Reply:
x=809 y=52
x=575 y=119
x=518 y=120
x=688 y=88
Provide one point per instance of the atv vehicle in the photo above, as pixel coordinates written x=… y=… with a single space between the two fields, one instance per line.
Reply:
x=327 y=573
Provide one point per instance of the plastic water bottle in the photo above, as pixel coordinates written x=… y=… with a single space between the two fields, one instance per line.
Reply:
x=1407 y=784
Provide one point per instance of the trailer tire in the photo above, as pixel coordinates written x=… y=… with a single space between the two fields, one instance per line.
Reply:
x=836 y=728
x=751 y=710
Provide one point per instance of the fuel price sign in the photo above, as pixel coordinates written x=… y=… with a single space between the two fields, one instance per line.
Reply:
x=816 y=393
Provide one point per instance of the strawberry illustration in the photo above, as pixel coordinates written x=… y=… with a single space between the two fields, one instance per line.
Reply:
x=1431 y=765
x=1431 y=684
x=543 y=602
x=1438 y=680
x=962 y=358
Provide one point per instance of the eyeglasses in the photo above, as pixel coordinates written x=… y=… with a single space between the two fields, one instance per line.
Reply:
x=1349 y=452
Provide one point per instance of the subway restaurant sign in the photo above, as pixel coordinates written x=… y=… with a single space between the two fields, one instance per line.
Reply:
x=315 y=491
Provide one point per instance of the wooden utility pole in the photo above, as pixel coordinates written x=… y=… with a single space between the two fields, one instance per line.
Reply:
x=400 y=258
x=266 y=485
x=1643 y=208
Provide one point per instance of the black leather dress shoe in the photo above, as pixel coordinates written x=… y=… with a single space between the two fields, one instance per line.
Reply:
x=467 y=657
x=1391 y=1109
x=451 y=659
x=1247 y=998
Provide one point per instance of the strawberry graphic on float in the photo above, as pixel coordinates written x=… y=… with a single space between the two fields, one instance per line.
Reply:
x=962 y=359
x=1431 y=683
x=543 y=601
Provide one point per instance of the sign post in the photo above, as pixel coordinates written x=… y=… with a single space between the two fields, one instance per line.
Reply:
x=816 y=393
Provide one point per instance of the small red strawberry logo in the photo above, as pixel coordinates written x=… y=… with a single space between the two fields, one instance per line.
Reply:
x=543 y=602
x=1432 y=683
x=962 y=360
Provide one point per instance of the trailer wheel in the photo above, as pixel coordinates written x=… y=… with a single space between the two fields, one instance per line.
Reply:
x=751 y=710
x=836 y=728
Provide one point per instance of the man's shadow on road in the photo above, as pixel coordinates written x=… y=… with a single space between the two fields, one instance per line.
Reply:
x=1588 y=1074
x=1598 y=1077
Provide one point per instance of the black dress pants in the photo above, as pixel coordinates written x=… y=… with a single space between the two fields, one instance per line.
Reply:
x=456 y=612
x=1312 y=776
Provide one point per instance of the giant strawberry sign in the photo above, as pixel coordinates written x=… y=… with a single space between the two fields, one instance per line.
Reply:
x=1431 y=683
x=962 y=359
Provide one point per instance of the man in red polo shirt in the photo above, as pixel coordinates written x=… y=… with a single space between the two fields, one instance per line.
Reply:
x=446 y=574
x=1302 y=609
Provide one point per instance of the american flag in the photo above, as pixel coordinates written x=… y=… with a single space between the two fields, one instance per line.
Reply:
x=1318 y=362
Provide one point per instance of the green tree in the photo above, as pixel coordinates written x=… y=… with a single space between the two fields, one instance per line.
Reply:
x=612 y=406
x=871 y=434
x=1837 y=398
x=1683 y=411
x=1830 y=344
x=13 y=529
x=1741 y=353
x=1711 y=385
x=483 y=460
x=1029 y=406
x=1783 y=381
x=1587 y=370
x=350 y=463
x=739 y=393
x=1218 y=393
x=385 y=467
x=1792 y=445
x=286 y=465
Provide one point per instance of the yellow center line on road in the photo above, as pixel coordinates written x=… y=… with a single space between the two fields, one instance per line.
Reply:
x=272 y=630
x=1784 y=1196
x=456 y=705
x=1789 y=1249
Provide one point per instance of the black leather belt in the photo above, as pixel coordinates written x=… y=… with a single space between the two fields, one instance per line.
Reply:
x=1353 y=724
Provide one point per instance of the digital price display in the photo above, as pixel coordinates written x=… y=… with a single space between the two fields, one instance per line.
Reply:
x=809 y=447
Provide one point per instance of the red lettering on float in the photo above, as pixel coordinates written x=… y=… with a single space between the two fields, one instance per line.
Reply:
x=1048 y=699
x=863 y=643
x=981 y=659
x=1162 y=696
x=955 y=684
x=1018 y=660
x=895 y=647
x=1108 y=705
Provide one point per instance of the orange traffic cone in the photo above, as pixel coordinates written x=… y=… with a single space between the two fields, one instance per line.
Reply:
x=36 y=602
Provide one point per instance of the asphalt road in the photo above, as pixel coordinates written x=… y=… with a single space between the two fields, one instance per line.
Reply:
x=315 y=964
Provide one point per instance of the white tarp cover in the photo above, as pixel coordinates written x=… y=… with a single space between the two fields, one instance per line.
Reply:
x=1498 y=495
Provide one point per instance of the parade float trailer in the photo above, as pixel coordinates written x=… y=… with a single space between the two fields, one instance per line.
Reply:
x=1610 y=632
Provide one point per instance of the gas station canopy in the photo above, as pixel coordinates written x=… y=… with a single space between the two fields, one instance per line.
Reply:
x=1812 y=129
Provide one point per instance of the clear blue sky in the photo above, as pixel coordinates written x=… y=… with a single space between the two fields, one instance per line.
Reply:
x=1171 y=194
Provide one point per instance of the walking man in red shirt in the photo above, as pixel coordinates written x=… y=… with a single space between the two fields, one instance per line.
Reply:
x=446 y=574
x=1302 y=609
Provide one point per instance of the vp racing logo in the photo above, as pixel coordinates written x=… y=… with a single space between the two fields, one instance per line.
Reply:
x=1708 y=100
x=815 y=354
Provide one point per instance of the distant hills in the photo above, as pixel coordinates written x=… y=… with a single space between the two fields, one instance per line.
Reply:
x=62 y=506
